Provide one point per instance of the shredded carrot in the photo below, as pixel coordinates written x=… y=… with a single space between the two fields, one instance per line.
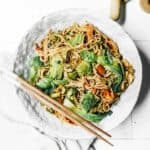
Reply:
x=89 y=31
x=100 y=70
x=108 y=95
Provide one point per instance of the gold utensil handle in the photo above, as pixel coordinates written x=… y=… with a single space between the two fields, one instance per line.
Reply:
x=145 y=4
x=115 y=9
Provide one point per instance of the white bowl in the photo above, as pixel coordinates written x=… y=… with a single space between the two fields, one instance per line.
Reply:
x=59 y=20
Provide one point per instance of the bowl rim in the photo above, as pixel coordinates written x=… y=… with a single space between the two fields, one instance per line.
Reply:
x=129 y=38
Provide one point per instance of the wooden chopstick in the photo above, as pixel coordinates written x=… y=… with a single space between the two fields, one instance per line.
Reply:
x=88 y=123
x=45 y=99
x=47 y=103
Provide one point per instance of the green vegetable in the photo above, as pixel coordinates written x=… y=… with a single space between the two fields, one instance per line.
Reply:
x=32 y=74
x=84 y=68
x=34 y=64
x=47 y=82
x=88 y=116
x=77 y=40
x=48 y=90
x=73 y=75
x=71 y=92
x=44 y=83
x=82 y=112
x=56 y=70
x=60 y=82
x=93 y=117
x=119 y=78
x=105 y=58
x=88 y=56
x=88 y=101
x=55 y=95
x=113 y=65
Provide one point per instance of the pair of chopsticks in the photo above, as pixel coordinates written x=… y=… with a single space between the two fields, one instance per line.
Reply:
x=45 y=99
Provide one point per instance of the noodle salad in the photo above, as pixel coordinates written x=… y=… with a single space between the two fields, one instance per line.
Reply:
x=81 y=68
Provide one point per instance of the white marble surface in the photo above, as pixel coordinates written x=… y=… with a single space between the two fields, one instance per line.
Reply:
x=15 y=130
